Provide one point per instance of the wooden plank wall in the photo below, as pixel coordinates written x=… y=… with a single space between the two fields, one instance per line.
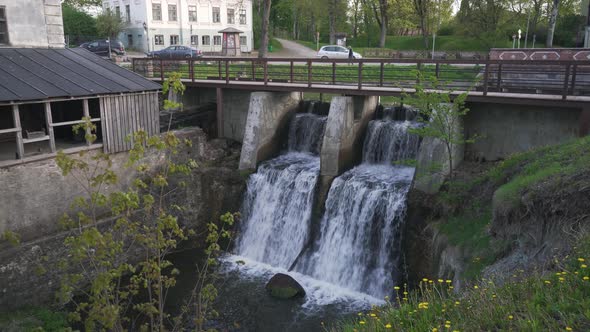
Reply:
x=122 y=115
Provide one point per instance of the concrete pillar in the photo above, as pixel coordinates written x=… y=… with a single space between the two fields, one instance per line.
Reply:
x=343 y=140
x=268 y=116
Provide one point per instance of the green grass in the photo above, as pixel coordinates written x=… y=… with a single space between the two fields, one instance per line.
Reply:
x=556 y=301
x=33 y=319
x=535 y=166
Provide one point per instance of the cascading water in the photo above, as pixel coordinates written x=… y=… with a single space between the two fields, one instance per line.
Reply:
x=280 y=196
x=360 y=239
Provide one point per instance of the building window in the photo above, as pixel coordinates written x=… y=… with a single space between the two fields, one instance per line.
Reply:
x=243 y=41
x=216 y=40
x=173 y=39
x=129 y=40
x=159 y=39
x=216 y=15
x=192 y=13
x=156 y=12
x=243 y=16
x=172 y=14
x=206 y=40
x=128 y=13
x=194 y=40
x=231 y=16
x=118 y=11
x=3 y=26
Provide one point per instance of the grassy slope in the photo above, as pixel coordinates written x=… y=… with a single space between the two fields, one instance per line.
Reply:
x=530 y=303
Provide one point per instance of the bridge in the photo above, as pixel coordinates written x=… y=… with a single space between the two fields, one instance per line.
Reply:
x=540 y=82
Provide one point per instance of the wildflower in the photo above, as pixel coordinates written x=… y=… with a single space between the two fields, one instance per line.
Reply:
x=425 y=279
x=583 y=266
x=448 y=326
x=448 y=281
x=510 y=317
x=447 y=322
x=493 y=296
x=561 y=279
x=434 y=329
x=388 y=326
x=567 y=328
x=405 y=293
x=373 y=315
x=476 y=287
x=580 y=259
x=362 y=322
x=457 y=302
x=451 y=287
x=396 y=287
x=423 y=305
x=547 y=282
x=440 y=281
x=386 y=297
x=586 y=278
x=405 y=299
x=558 y=274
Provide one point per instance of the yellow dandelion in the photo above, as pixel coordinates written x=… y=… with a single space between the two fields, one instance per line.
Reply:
x=396 y=287
x=425 y=279
x=434 y=329
x=561 y=279
x=583 y=266
x=457 y=302
x=558 y=273
x=405 y=299
x=494 y=296
x=362 y=322
x=451 y=287
x=386 y=297
x=580 y=259
x=405 y=293
x=510 y=317
x=447 y=326
x=440 y=281
x=448 y=281
x=447 y=322
x=387 y=326
x=360 y=313
x=429 y=281
x=443 y=310
x=476 y=286
x=547 y=282
x=373 y=315
x=567 y=328
x=586 y=278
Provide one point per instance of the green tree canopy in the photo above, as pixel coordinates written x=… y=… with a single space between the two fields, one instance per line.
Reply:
x=77 y=22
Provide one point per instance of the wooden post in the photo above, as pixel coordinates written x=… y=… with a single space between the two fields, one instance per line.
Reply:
x=219 y=65
x=360 y=86
x=162 y=70
x=291 y=71
x=566 y=81
x=309 y=73
x=265 y=72
x=219 y=113
x=133 y=65
x=573 y=85
x=87 y=114
x=334 y=73
x=485 y=79
x=253 y=70
x=419 y=68
x=227 y=72
x=381 y=73
x=437 y=69
x=191 y=69
x=49 y=121
x=499 y=86
x=20 y=149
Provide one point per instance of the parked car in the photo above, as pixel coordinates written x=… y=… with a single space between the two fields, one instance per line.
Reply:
x=336 y=52
x=176 y=52
x=101 y=47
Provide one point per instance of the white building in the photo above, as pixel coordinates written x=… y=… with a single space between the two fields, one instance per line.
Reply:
x=31 y=23
x=157 y=24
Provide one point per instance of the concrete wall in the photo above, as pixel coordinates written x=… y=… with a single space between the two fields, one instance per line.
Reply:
x=268 y=116
x=345 y=129
x=34 y=23
x=35 y=195
x=507 y=129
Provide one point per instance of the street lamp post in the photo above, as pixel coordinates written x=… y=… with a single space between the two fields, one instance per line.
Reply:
x=519 y=36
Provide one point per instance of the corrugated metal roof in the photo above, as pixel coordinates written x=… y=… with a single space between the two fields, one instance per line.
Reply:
x=28 y=74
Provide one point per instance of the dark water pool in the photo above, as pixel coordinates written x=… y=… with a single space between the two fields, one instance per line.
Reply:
x=244 y=305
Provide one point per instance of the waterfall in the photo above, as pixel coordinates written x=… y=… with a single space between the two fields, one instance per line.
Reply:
x=359 y=246
x=306 y=132
x=280 y=195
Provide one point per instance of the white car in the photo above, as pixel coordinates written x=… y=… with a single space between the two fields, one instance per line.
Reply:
x=335 y=52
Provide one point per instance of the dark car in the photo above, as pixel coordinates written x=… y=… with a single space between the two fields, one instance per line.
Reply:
x=101 y=47
x=176 y=52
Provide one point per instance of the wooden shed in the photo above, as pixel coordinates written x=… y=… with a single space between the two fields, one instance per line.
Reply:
x=44 y=92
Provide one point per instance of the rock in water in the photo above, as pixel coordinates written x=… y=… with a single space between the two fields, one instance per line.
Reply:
x=283 y=286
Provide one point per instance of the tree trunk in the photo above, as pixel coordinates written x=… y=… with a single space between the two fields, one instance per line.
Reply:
x=264 y=36
x=384 y=21
x=552 y=21
x=332 y=20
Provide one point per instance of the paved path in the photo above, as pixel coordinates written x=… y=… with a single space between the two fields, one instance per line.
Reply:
x=292 y=49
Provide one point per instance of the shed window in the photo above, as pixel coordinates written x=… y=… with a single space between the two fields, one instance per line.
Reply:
x=3 y=26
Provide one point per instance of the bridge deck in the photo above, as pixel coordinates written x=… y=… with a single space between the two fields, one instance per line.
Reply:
x=563 y=83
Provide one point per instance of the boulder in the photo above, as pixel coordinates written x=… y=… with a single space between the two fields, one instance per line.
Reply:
x=283 y=286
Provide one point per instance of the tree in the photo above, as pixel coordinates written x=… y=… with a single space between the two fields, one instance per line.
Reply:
x=440 y=114
x=380 y=10
x=421 y=7
x=78 y=24
x=265 y=27
x=83 y=3
x=552 y=22
x=109 y=24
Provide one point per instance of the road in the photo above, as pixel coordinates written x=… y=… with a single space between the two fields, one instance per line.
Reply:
x=293 y=50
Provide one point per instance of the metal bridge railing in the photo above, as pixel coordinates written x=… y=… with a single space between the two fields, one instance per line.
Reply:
x=563 y=78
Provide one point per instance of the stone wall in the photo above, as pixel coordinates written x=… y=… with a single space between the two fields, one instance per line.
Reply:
x=39 y=194
x=34 y=23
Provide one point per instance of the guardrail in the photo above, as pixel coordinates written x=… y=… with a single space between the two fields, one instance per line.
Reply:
x=564 y=78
